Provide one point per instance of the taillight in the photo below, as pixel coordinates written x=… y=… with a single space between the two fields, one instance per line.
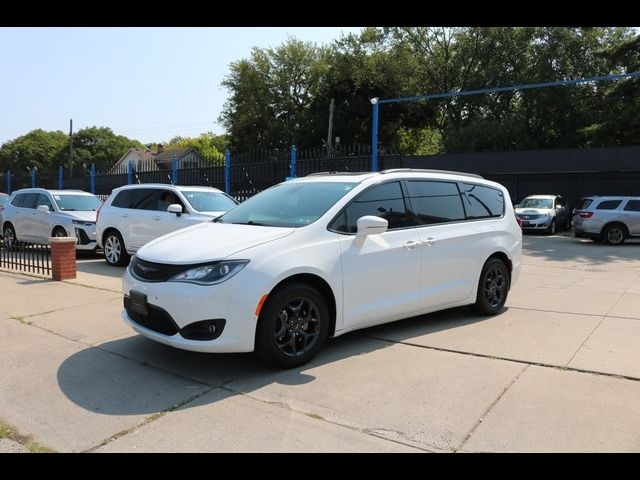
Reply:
x=519 y=222
x=585 y=214
x=98 y=212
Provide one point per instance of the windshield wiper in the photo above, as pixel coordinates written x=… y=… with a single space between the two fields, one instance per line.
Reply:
x=218 y=220
x=251 y=222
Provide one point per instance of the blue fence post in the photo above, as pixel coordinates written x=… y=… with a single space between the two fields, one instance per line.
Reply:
x=227 y=172
x=9 y=182
x=33 y=177
x=92 y=178
x=60 y=177
x=294 y=160
x=374 y=136
x=130 y=172
x=174 y=170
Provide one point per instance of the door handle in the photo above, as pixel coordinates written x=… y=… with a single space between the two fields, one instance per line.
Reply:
x=411 y=245
x=626 y=214
x=125 y=215
x=157 y=218
x=429 y=241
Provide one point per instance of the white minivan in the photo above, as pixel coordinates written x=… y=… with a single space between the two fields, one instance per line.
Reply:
x=136 y=214
x=323 y=255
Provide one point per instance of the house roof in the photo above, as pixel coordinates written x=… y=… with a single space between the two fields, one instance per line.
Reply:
x=168 y=155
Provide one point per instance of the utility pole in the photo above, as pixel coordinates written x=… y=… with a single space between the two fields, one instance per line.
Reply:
x=330 y=132
x=71 y=148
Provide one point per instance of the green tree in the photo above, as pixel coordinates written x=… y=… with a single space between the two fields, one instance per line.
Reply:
x=274 y=95
x=101 y=146
x=209 y=145
x=38 y=148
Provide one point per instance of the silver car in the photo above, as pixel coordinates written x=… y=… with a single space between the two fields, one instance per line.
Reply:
x=608 y=219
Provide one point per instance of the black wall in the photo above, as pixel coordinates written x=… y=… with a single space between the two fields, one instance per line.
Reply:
x=571 y=173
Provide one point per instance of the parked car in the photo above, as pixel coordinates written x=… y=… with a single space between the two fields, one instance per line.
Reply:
x=608 y=219
x=35 y=214
x=323 y=255
x=4 y=199
x=544 y=212
x=136 y=214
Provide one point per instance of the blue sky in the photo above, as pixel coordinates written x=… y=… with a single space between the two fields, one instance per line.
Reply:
x=146 y=83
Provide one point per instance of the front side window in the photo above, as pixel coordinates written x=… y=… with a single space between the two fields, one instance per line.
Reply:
x=44 y=200
x=384 y=201
x=435 y=202
x=632 y=206
x=289 y=204
x=485 y=202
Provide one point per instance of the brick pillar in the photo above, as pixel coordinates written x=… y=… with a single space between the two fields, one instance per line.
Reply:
x=63 y=257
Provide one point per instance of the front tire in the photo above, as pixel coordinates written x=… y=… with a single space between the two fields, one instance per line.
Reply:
x=115 y=252
x=9 y=237
x=551 y=229
x=493 y=287
x=59 y=232
x=293 y=326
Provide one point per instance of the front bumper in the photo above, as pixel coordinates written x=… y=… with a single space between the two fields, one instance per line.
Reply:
x=185 y=304
x=536 y=224
x=86 y=235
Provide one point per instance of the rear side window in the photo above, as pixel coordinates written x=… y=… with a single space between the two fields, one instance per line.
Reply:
x=138 y=199
x=435 y=202
x=482 y=202
x=584 y=204
x=384 y=201
x=632 y=206
x=609 y=205
x=25 y=200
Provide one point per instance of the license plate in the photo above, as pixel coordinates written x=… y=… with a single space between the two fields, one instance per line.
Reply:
x=138 y=302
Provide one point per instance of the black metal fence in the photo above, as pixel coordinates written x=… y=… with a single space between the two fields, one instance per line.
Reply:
x=26 y=257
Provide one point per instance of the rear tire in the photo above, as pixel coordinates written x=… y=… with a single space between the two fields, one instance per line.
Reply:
x=293 y=326
x=115 y=252
x=493 y=287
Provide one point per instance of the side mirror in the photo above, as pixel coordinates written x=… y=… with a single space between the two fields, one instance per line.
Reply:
x=370 y=225
x=175 y=208
x=43 y=208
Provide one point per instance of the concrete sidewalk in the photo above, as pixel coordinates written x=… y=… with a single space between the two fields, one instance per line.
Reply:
x=558 y=370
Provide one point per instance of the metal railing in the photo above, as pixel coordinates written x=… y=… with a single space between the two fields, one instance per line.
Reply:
x=26 y=257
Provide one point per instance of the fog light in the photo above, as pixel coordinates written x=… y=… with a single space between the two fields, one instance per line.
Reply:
x=204 y=329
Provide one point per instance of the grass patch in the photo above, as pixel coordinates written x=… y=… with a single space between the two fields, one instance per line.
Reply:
x=7 y=431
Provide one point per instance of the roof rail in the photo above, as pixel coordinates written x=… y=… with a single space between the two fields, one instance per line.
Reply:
x=316 y=174
x=426 y=170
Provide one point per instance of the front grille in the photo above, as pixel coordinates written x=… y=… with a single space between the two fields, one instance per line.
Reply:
x=528 y=217
x=154 y=272
x=156 y=319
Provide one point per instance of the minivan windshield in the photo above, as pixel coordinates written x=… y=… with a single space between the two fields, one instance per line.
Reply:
x=209 y=201
x=294 y=204
x=82 y=203
x=536 y=203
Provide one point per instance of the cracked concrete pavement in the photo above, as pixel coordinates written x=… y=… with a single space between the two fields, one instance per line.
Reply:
x=557 y=371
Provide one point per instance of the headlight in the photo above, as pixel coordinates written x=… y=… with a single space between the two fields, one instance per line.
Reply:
x=82 y=222
x=210 y=274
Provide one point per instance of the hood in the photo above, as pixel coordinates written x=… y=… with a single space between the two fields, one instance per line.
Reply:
x=533 y=211
x=87 y=216
x=208 y=241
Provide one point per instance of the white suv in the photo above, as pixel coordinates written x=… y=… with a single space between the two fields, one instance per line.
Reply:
x=136 y=214
x=35 y=214
x=323 y=255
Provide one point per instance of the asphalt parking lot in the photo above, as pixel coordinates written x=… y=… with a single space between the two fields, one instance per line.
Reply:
x=557 y=371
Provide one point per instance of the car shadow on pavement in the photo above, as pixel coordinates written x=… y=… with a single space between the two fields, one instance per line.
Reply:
x=97 y=266
x=135 y=375
x=564 y=247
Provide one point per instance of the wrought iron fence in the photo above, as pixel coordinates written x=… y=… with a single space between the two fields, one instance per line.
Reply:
x=26 y=257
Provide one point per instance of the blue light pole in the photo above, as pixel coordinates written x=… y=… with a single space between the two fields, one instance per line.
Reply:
x=375 y=102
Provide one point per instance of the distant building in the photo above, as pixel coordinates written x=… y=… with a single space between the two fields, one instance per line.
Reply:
x=145 y=160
